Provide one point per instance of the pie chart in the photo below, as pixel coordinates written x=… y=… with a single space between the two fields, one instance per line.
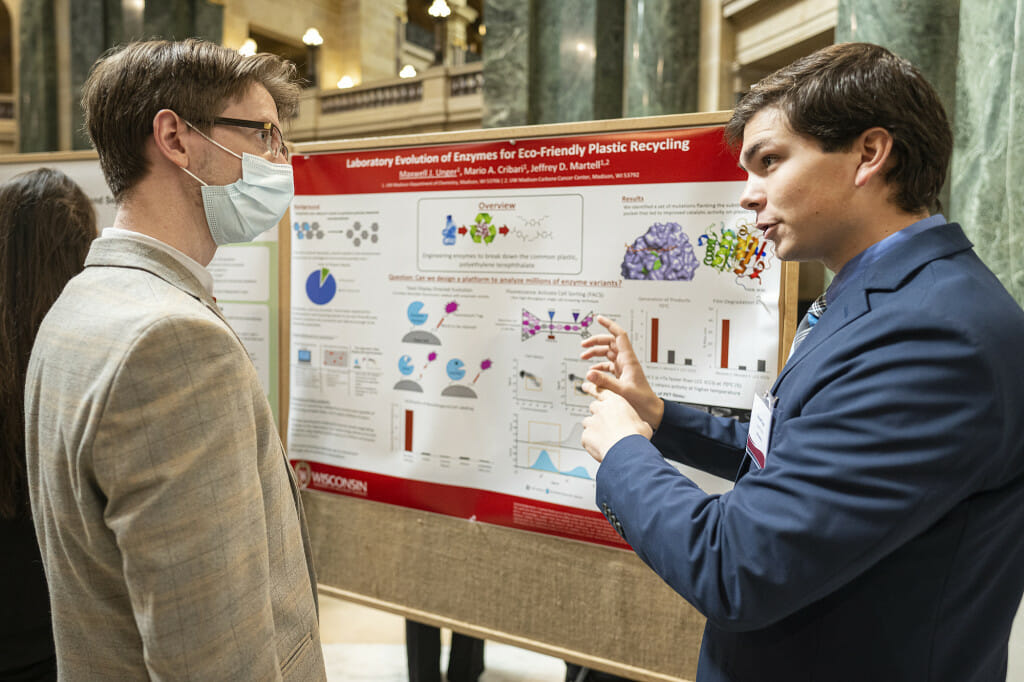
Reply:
x=320 y=286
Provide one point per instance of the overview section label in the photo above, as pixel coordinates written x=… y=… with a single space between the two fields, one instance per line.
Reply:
x=511 y=233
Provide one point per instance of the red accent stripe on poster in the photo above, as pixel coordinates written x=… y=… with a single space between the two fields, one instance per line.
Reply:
x=654 y=339
x=467 y=503
x=408 y=430
x=725 y=344
x=618 y=158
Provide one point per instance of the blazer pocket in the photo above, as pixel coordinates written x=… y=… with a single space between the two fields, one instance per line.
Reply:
x=296 y=654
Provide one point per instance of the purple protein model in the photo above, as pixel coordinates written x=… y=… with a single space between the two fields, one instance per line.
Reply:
x=664 y=252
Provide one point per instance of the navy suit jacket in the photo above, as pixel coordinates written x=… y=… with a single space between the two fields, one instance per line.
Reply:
x=884 y=537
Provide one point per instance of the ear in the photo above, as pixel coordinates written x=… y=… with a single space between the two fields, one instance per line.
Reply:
x=875 y=147
x=169 y=133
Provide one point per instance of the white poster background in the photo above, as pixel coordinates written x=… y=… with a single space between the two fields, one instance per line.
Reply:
x=421 y=352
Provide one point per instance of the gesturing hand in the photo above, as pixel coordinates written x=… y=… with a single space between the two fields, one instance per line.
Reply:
x=621 y=373
x=611 y=419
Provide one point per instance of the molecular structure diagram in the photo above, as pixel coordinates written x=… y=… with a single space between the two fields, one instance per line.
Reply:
x=308 y=231
x=358 y=235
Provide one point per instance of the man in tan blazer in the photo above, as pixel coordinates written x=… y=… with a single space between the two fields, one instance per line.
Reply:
x=169 y=521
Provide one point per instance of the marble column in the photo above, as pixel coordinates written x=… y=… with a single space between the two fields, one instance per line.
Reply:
x=91 y=38
x=988 y=156
x=506 y=63
x=662 y=56
x=571 y=38
x=922 y=31
x=95 y=25
x=552 y=61
x=184 y=19
x=37 y=77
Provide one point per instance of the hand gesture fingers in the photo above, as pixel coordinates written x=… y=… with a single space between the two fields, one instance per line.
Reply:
x=621 y=372
x=611 y=419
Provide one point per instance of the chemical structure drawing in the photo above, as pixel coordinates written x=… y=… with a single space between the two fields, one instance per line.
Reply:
x=532 y=229
x=663 y=252
x=307 y=230
x=534 y=326
x=738 y=250
x=358 y=234
x=532 y=223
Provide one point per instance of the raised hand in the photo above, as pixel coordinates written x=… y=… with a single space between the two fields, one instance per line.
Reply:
x=621 y=372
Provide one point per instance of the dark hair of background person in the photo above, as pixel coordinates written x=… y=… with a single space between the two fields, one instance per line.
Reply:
x=838 y=92
x=46 y=226
x=195 y=79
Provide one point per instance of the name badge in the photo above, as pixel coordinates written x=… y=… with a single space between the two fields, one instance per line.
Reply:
x=760 y=429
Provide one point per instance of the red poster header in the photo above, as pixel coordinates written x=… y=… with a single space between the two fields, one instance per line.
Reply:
x=620 y=158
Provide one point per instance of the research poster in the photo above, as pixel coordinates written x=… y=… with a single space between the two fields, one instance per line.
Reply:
x=440 y=295
x=244 y=275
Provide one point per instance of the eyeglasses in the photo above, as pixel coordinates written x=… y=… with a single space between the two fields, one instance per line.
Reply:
x=270 y=134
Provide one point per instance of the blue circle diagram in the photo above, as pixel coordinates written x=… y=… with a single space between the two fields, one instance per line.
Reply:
x=455 y=369
x=405 y=365
x=415 y=313
x=320 y=286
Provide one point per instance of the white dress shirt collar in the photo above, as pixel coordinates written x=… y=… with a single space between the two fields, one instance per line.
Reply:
x=201 y=273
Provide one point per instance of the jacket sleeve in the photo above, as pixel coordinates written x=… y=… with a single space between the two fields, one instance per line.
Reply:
x=901 y=425
x=175 y=457
x=700 y=440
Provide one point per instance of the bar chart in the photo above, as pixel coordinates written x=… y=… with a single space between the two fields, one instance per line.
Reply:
x=679 y=338
x=729 y=336
x=740 y=345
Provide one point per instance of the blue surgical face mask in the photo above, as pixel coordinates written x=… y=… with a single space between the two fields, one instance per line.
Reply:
x=250 y=206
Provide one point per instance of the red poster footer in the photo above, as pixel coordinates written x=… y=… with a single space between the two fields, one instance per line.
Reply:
x=467 y=503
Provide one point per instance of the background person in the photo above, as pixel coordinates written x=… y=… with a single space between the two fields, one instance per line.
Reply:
x=46 y=225
x=423 y=654
x=168 y=517
x=874 y=528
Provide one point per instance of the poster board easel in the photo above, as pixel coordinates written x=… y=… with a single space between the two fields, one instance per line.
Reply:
x=588 y=604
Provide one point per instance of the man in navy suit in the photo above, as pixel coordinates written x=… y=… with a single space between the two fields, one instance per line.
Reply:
x=876 y=527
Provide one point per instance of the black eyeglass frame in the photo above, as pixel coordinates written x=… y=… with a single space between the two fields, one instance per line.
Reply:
x=258 y=125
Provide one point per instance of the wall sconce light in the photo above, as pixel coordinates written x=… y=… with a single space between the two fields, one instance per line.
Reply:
x=313 y=40
x=312 y=37
x=346 y=82
x=248 y=48
x=408 y=71
x=440 y=11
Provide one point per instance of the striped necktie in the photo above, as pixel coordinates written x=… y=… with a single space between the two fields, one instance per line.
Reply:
x=814 y=313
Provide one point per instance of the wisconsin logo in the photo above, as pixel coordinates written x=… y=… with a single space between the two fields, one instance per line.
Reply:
x=304 y=473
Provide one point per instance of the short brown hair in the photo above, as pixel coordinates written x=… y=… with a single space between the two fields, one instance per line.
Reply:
x=46 y=226
x=838 y=92
x=196 y=79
